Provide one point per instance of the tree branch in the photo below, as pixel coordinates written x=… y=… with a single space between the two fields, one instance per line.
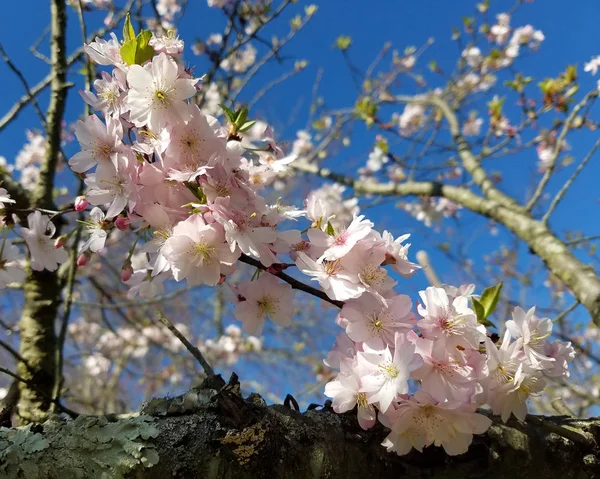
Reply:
x=211 y=431
x=557 y=149
x=561 y=193
x=294 y=283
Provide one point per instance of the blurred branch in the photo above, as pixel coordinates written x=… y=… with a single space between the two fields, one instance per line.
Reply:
x=558 y=148
x=561 y=193
x=189 y=346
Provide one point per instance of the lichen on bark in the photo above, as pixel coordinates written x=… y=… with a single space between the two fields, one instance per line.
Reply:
x=87 y=447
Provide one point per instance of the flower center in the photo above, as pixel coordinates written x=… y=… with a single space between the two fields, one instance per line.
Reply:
x=389 y=370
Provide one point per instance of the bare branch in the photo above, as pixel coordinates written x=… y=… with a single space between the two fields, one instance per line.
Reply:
x=561 y=193
x=557 y=149
x=294 y=283
x=189 y=346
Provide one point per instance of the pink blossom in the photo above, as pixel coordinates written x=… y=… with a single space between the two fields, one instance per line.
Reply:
x=422 y=421
x=451 y=322
x=197 y=251
x=388 y=373
x=264 y=297
x=375 y=325
x=41 y=246
x=337 y=282
x=346 y=394
x=156 y=95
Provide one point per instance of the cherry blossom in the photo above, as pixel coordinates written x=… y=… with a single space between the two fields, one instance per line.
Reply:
x=264 y=297
x=422 y=421
x=197 y=251
x=345 y=390
x=99 y=143
x=156 y=95
x=98 y=227
x=369 y=322
x=38 y=237
x=11 y=271
x=388 y=372
x=5 y=198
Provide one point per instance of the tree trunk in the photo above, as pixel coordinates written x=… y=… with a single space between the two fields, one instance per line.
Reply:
x=216 y=434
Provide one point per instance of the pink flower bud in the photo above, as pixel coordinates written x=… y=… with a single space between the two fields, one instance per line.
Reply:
x=83 y=258
x=122 y=223
x=81 y=203
x=221 y=280
x=60 y=241
x=126 y=271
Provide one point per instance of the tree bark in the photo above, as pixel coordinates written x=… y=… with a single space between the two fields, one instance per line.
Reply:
x=42 y=288
x=209 y=433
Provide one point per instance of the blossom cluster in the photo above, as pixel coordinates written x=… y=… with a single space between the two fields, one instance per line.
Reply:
x=446 y=360
x=190 y=188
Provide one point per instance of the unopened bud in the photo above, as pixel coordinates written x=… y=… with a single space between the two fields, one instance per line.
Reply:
x=122 y=223
x=81 y=203
x=60 y=241
x=83 y=258
x=221 y=280
x=126 y=271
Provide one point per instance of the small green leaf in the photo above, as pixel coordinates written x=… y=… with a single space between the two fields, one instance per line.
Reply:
x=144 y=51
x=489 y=299
x=330 y=230
x=246 y=126
x=128 y=50
x=128 y=31
x=242 y=115
x=228 y=113
x=480 y=312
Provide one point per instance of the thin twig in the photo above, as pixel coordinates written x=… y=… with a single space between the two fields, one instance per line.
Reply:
x=189 y=346
x=559 y=196
x=585 y=239
x=63 y=408
x=294 y=283
x=25 y=84
x=557 y=149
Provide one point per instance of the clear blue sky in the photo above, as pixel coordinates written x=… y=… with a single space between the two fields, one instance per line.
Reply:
x=572 y=37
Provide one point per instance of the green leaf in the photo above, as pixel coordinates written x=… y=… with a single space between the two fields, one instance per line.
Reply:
x=480 y=312
x=128 y=50
x=246 y=126
x=242 y=115
x=128 y=31
x=330 y=230
x=228 y=113
x=144 y=51
x=489 y=299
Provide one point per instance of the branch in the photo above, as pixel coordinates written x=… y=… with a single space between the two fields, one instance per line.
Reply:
x=559 y=196
x=22 y=79
x=472 y=165
x=189 y=346
x=294 y=283
x=212 y=432
x=580 y=278
x=557 y=149
x=45 y=82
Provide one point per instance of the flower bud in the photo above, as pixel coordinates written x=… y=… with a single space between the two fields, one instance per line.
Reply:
x=126 y=271
x=83 y=258
x=81 y=203
x=122 y=223
x=60 y=241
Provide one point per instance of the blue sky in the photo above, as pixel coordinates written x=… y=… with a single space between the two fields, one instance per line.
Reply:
x=572 y=37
